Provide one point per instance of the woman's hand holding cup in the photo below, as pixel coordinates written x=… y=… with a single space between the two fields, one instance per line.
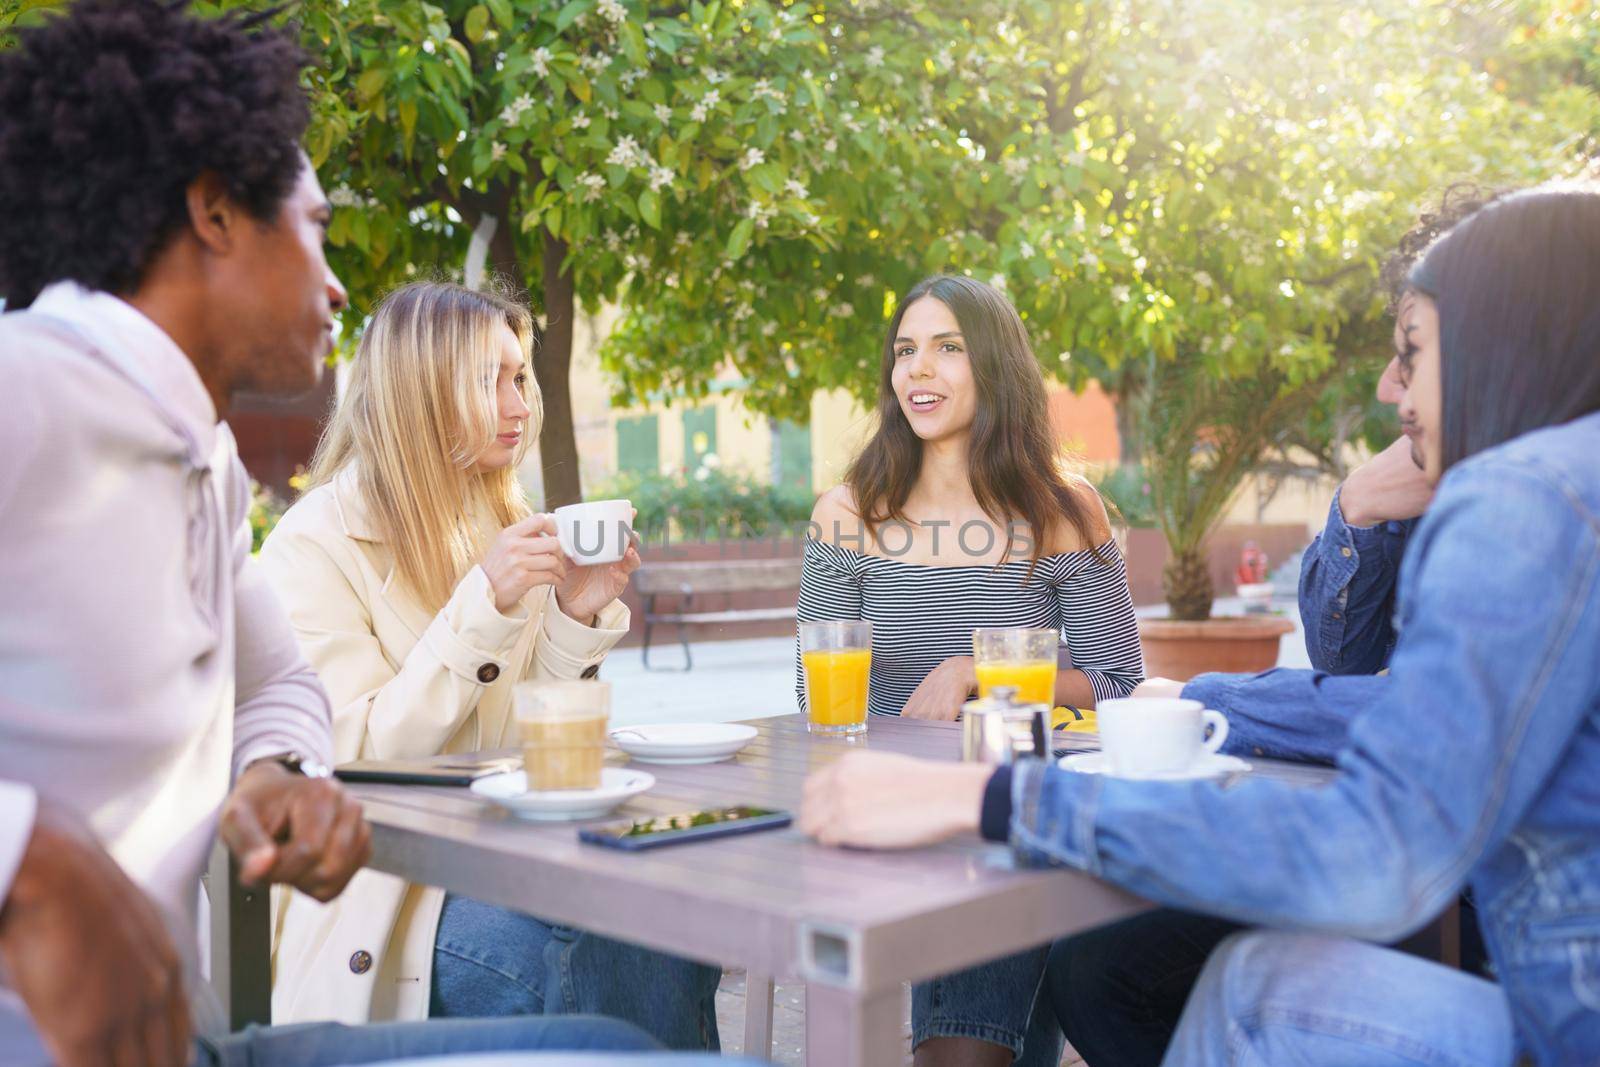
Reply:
x=525 y=554
x=588 y=589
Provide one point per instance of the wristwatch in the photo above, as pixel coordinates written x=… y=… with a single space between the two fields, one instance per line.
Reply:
x=309 y=766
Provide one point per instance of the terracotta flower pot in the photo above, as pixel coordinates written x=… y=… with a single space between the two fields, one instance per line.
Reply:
x=1236 y=644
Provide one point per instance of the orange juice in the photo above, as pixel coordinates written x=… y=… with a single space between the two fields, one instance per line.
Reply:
x=836 y=686
x=1035 y=679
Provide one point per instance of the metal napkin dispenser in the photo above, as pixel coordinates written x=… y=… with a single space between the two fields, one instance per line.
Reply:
x=997 y=729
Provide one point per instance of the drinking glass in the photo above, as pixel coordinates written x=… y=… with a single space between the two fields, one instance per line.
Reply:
x=1019 y=657
x=837 y=657
x=563 y=730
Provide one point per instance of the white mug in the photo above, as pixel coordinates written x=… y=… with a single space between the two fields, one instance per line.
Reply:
x=1145 y=737
x=596 y=531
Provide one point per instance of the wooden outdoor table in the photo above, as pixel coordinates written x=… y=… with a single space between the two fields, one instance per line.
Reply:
x=854 y=925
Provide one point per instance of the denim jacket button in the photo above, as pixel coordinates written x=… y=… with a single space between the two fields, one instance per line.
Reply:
x=1345 y=552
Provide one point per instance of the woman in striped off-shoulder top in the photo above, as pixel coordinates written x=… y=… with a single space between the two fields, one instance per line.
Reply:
x=955 y=516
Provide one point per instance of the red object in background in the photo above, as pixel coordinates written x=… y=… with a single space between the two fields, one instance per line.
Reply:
x=1252 y=564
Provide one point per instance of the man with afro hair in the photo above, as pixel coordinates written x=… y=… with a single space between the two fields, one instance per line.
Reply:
x=160 y=248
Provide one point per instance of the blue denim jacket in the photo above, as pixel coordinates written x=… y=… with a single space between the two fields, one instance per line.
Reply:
x=1347 y=592
x=1475 y=762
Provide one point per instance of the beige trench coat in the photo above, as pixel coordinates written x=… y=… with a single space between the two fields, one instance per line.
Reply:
x=404 y=682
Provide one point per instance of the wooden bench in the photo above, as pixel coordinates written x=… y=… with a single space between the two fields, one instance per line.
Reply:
x=690 y=580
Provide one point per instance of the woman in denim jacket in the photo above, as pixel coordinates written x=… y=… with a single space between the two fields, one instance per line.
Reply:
x=1476 y=766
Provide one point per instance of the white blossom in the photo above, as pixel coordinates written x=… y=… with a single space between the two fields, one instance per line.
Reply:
x=867 y=281
x=1203 y=280
x=875 y=56
x=626 y=154
x=343 y=196
x=1121 y=293
x=796 y=189
x=1015 y=166
x=540 y=59
x=663 y=113
x=629 y=77
x=580 y=121
x=769 y=328
x=842 y=310
x=1025 y=250
x=611 y=113
x=595 y=64
x=810 y=218
x=683 y=240
x=1227 y=301
x=593 y=187
x=740 y=313
x=820 y=295
x=660 y=176
x=797 y=136
x=497 y=152
x=1090 y=260
x=612 y=239
x=716 y=77
x=753 y=157
x=612 y=11
x=1227 y=343
x=983 y=94
x=830 y=145
x=697 y=113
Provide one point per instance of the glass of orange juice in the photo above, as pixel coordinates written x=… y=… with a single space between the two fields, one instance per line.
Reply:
x=837 y=657
x=1023 y=658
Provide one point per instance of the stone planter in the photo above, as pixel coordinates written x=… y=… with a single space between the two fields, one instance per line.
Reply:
x=1236 y=644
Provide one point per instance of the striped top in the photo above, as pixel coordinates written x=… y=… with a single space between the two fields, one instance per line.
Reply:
x=922 y=615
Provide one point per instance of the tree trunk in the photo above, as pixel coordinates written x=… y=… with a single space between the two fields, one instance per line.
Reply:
x=1186 y=581
x=552 y=365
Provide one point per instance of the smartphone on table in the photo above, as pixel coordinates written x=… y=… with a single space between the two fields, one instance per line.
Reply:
x=459 y=770
x=637 y=834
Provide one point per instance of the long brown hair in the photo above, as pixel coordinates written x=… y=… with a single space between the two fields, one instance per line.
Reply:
x=1012 y=458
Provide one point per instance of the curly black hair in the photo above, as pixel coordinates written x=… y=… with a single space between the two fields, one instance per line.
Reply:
x=110 y=111
x=1455 y=203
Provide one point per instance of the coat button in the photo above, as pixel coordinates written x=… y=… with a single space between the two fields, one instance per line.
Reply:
x=361 y=962
x=591 y=671
x=1345 y=552
x=488 y=673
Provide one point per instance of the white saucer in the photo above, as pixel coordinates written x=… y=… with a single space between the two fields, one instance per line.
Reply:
x=683 y=742
x=1210 y=765
x=510 y=790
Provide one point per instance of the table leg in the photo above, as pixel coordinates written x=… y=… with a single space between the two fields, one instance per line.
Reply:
x=854 y=1028
x=758 y=1016
x=241 y=943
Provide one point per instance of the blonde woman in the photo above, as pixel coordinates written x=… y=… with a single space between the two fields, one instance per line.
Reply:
x=422 y=590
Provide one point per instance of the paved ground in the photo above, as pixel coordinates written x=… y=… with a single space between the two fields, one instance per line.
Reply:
x=735 y=680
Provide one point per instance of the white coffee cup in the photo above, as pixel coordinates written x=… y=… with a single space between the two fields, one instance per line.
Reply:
x=596 y=531
x=1147 y=737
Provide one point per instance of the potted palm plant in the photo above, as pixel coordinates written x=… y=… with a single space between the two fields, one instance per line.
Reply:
x=1201 y=435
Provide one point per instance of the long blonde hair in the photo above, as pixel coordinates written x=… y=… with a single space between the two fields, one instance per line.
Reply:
x=420 y=407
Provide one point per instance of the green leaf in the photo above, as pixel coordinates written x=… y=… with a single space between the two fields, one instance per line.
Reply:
x=552 y=220
x=477 y=23
x=370 y=84
x=650 y=208
x=570 y=13
x=407 y=110
x=633 y=43
x=501 y=9
x=739 y=239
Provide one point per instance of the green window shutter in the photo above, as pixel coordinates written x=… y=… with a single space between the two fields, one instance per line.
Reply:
x=792 y=448
x=699 y=435
x=638 y=445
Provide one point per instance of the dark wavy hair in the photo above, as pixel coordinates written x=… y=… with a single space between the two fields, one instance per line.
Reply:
x=107 y=114
x=1433 y=222
x=1012 y=459
x=1517 y=286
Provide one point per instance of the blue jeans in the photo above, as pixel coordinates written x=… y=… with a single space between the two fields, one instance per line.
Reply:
x=326 y=1044
x=1118 y=991
x=1269 y=999
x=491 y=961
x=993 y=1002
